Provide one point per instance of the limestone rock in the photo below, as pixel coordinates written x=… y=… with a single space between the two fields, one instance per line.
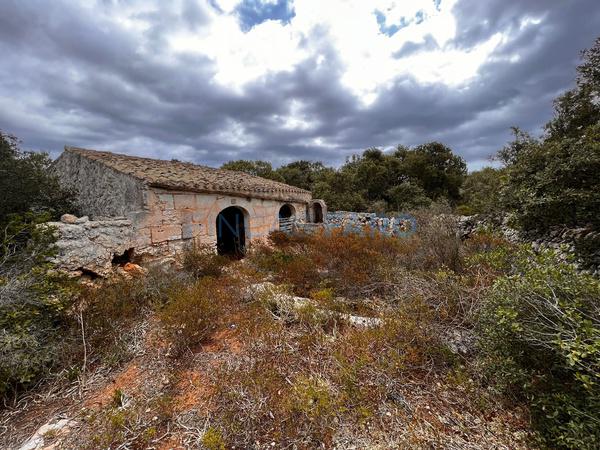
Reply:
x=91 y=245
x=133 y=268
x=68 y=218
x=288 y=306
x=57 y=427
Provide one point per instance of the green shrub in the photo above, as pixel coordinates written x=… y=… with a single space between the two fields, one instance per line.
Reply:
x=540 y=341
x=480 y=192
x=212 y=439
x=33 y=301
x=202 y=261
x=28 y=185
x=192 y=312
x=553 y=181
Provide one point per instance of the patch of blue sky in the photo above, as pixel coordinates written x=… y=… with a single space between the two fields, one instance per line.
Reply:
x=419 y=17
x=254 y=12
x=388 y=30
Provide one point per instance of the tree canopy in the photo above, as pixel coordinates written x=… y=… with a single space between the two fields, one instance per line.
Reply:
x=27 y=184
x=376 y=180
x=553 y=181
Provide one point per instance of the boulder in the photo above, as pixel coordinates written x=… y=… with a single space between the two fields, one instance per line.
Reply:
x=57 y=428
x=68 y=218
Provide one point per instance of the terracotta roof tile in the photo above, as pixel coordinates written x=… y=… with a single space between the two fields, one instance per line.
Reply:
x=184 y=176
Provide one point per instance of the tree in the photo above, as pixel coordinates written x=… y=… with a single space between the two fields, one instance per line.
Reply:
x=337 y=189
x=375 y=180
x=406 y=196
x=578 y=108
x=302 y=174
x=33 y=298
x=553 y=181
x=480 y=191
x=257 y=168
x=435 y=168
x=27 y=184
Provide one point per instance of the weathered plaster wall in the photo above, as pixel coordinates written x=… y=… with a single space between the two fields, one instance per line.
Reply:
x=102 y=191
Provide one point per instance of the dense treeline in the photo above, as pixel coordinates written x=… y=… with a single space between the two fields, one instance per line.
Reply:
x=375 y=181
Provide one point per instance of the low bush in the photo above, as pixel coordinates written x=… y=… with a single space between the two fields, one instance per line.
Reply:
x=201 y=260
x=33 y=305
x=128 y=422
x=111 y=309
x=540 y=341
x=212 y=439
x=300 y=380
x=192 y=312
x=343 y=262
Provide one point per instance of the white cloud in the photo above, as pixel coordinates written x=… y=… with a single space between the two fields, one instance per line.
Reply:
x=182 y=78
x=367 y=55
x=243 y=57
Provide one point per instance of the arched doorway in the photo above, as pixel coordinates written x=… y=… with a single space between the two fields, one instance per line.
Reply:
x=287 y=215
x=317 y=212
x=231 y=232
x=286 y=211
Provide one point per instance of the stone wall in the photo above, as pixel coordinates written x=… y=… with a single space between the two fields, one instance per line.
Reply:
x=582 y=243
x=102 y=191
x=155 y=222
x=170 y=217
x=349 y=221
x=168 y=221
x=86 y=245
x=356 y=222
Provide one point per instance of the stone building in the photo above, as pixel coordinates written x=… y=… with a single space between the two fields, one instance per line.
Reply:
x=149 y=207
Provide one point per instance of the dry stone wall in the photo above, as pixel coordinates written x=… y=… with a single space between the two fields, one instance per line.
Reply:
x=86 y=245
x=102 y=191
x=582 y=243
x=355 y=221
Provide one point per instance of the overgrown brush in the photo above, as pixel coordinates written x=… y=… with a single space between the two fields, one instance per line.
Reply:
x=300 y=379
x=201 y=260
x=112 y=308
x=192 y=312
x=128 y=422
x=33 y=304
x=540 y=341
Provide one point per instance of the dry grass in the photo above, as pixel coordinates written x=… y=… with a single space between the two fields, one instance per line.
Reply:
x=216 y=368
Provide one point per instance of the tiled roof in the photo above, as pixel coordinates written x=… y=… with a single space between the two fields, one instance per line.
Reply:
x=177 y=175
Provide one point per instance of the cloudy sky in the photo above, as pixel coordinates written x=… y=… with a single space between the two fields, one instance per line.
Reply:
x=213 y=80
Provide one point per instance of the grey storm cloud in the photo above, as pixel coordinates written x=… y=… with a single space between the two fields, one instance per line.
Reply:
x=71 y=77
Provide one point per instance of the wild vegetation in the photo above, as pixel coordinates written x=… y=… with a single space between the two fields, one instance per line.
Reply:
x=331 y=339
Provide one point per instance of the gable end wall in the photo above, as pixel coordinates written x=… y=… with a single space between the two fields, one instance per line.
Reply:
x=101 y=191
